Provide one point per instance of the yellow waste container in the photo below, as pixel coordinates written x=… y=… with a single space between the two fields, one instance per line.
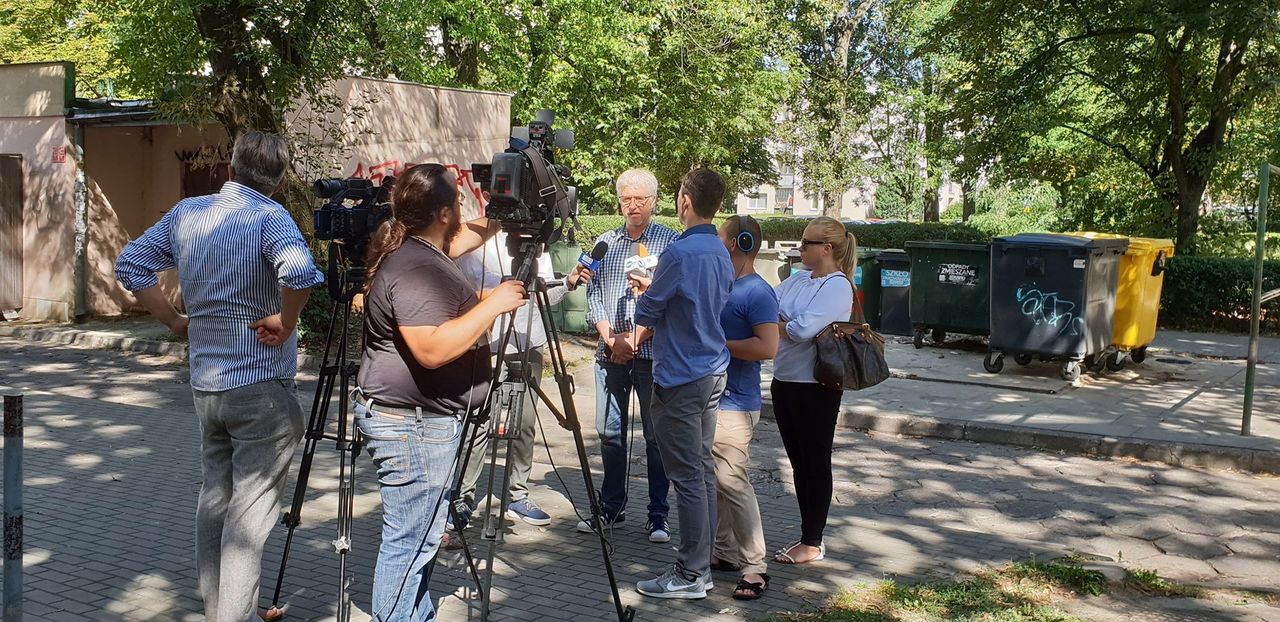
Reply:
x=1137 y=294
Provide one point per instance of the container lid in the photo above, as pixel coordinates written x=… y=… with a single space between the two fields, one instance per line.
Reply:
x=1063 y=240
x=894 y=253
x=947 y=246
x=867 y=253
x=1136 y=244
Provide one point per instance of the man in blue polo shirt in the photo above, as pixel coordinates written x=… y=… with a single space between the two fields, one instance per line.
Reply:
x=681 y=305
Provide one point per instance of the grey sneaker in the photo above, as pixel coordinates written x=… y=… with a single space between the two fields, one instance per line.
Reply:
x=707 y=584
x=675 y=582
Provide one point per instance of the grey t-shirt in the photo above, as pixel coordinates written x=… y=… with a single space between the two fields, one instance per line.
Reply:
x=418 y=285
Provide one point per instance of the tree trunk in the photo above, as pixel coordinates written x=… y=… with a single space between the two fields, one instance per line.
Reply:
x=831 y=204
x=969 y=199
x=932 y=202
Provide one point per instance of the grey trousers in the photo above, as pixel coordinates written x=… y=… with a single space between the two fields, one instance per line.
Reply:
x=248 y=436
x=684 y=419
x=521 y=456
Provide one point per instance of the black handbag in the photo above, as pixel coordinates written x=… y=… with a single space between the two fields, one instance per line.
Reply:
x=850 y=354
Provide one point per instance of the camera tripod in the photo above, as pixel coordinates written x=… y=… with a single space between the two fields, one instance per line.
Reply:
x=505 y=405
x=336 y=373
x=508 y=396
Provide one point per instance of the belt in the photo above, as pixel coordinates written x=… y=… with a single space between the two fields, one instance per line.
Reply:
x=398 y=412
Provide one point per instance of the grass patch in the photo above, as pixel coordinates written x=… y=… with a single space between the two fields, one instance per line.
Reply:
x=1020 y=592
x=1150 y=583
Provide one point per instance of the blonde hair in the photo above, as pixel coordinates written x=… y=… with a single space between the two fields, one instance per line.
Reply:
x=844 y=246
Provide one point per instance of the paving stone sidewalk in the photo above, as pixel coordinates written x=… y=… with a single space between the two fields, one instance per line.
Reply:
x=112 y=473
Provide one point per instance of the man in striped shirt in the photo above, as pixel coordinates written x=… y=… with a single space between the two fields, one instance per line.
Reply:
x=245 y=273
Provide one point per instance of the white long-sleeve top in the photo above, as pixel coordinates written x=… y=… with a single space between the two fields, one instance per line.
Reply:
x=486 y=267
x=808 y=305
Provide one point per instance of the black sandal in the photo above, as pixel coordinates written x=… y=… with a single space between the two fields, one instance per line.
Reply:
x=756 y=589
x=720 y=565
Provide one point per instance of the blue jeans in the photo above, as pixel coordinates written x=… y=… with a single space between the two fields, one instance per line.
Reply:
x=614 y=384
x=415 y=460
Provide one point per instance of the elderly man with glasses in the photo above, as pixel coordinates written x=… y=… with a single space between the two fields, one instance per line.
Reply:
x=624 y=365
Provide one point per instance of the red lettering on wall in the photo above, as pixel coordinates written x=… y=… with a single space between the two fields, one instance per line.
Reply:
x=376 y=172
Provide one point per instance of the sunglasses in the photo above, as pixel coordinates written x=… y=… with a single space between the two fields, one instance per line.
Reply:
x=804 y=243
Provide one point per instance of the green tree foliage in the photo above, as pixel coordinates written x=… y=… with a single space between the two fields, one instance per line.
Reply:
x=666 y=84
x=77 y=31
x=1155 y=86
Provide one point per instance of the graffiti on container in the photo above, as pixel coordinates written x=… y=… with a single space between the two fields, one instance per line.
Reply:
x=1046 y=308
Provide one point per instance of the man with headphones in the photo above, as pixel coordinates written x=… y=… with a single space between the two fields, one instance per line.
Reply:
x=750 y=328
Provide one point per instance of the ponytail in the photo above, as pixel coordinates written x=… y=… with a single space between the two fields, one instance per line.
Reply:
x=419 y=196
x=388 y=238
x=846 y=254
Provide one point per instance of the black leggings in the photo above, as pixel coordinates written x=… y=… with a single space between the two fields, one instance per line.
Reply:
x=806 y=413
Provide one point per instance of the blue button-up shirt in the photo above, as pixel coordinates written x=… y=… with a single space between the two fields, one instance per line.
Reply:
x=609 y=294
x=683 y=305
x=233 y=250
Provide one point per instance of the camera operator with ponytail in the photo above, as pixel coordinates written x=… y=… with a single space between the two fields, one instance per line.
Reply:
x=425 y=366
x=805 y=410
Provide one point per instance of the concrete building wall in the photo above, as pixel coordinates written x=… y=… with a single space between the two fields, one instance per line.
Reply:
x=134 y=173
x=33 y=100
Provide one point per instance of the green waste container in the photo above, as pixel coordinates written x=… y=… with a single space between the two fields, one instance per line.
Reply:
x=867 y=279
x=950 y=289
x=895 y=292
x=570 y=314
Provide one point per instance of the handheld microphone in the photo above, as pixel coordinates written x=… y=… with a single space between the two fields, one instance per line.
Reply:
x=640 y=263
x=592 y=262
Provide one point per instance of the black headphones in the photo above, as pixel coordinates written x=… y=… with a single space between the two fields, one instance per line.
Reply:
x=746 y=241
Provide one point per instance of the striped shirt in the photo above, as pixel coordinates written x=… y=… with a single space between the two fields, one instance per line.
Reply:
x=233 y=251
x=609 y=296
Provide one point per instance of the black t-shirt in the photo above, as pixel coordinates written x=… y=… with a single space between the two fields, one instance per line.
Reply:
x=418 y=285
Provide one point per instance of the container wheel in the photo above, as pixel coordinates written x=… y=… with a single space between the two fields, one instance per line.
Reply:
x=993 y=363
x=939 y=336
x=1115 y=362
x=1139 y=355
x=1071 y=371
x=918 y=341
x=1022 y=359
x=1096 y=363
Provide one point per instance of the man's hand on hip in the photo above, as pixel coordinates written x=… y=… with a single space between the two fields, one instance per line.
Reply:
x=272 y=331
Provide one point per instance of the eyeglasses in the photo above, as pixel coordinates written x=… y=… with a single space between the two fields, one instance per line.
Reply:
x=635 y=200
x=804 y=243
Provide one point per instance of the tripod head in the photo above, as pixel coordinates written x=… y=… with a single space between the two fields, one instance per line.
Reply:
x=346 y=272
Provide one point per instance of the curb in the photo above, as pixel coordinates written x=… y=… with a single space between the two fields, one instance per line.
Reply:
x=112 y=341
x=1169 y=452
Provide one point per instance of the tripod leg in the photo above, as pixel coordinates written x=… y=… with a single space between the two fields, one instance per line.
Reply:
x=315 y=432
x=565 y=384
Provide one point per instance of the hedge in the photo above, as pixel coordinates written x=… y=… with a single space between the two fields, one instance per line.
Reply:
x=890 y=235
x=1216 y=293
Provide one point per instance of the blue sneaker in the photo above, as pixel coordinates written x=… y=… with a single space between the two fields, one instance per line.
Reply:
x=529 y=512
x=675 y=582
x=588 y=526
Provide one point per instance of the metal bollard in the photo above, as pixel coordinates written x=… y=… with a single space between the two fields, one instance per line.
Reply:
x=12 y=508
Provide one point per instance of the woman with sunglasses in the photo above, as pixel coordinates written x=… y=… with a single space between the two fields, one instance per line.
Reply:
x=805 y=410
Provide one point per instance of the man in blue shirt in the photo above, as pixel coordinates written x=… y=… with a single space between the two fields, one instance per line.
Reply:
x=623 y=362
x=681 y=306
x=245 y=273
x=750 y=322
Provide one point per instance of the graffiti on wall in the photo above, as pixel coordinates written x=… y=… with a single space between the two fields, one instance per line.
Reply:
x=375 y=172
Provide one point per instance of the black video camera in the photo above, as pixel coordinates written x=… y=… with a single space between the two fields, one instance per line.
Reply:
x=527 y=190
x=351 y=225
